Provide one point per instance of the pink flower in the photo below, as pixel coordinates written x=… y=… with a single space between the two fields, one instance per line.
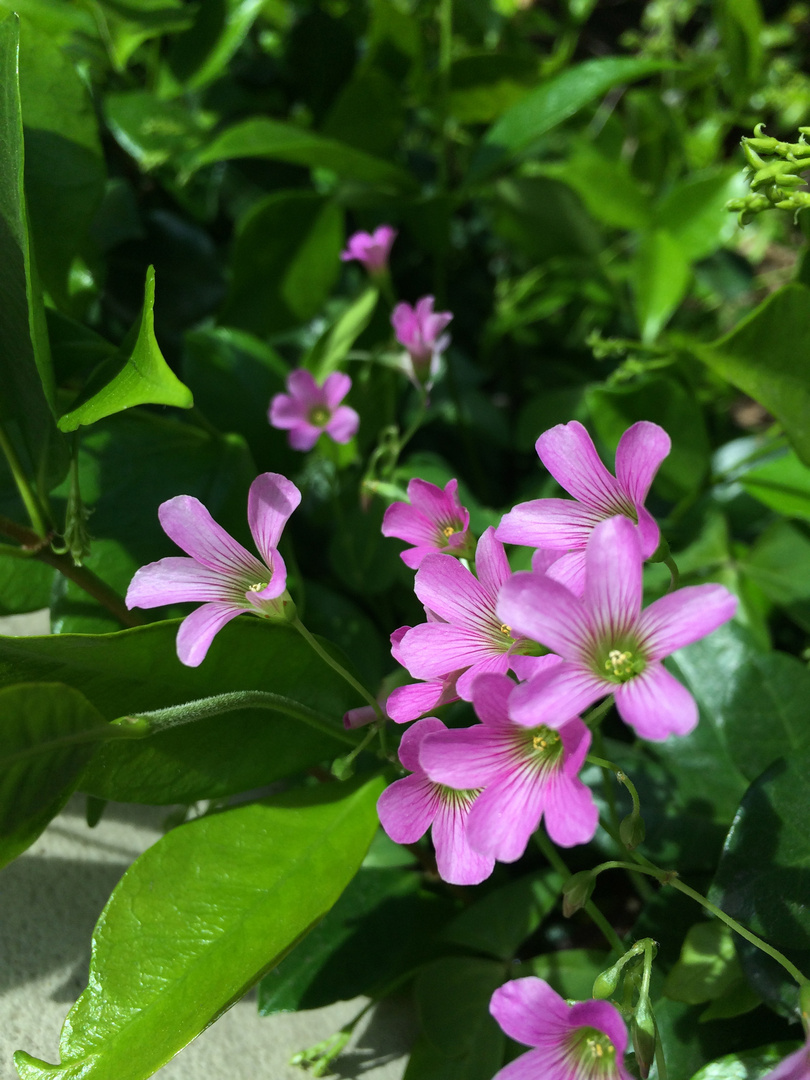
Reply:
x=607 y=643
x=309 y=409
x=795 y=1067
x=568 y=453
x=408 y=702
x=409 y=807
x=371 y=249
x=526 y=773
x=419 y=329
x=433 y=521
x=220 y=573
x=585 y=1041
x=466 y=636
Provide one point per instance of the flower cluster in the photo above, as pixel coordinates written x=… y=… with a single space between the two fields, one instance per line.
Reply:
x=533 y=650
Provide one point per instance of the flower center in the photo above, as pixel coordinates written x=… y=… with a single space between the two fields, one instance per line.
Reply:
x=543 y=745
x=448 y=531
x=319 y=416
x=258 y=586
x=592 y=1053
x=506 y=630
x=622 y=664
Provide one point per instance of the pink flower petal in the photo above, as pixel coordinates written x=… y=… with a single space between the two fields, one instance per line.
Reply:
x=335 y=387
x=557 y=524
x=343 y=424
x=491 y=564
x=406 y=522
x=613 y=576
x=490 y=694
x=198 y=630
x=569 y=570
x=571 y=815
x=505 y=815
x=605 y=1018
x=271 y=501
x=451 y=591
x=656 y=705
x=541 y=609
x=275 y=586
x=192 y=528
x=407 y=808
x=304 y=436
x=541 y=1064
x=286 y=412
x=463 y=758
x=174 y=581
x=432 y=650
x=567 y=451
x=640 y=452
x=409 y=702
x=556 y=696
x=530 y=1012
x=301 y=384
x=682 y=617
x=412 y=740
x=456 y=861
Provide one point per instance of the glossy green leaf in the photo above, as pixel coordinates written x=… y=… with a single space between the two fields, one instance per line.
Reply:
x=155 y=132
x=335 y=342
x=137 y=671
x=694 y=212
x=64 y=166
x=144 y=379
x=383 y=926
x=661 y=276
x=201 y=53
x=707 y=967
x=550 y=104
x=265 y=138
x=748 y=1065
x=126 y=24
x=782 y=484
x=199 y=917
x=762 y=875
x=48 y=732
x=28 y=401
x=501 y=921
x=286 y=260
x=767 y=356
x=25 y=585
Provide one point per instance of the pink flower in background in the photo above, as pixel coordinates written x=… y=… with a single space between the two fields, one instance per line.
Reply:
x=465 y=635
x=525 y=772
x=607 y=643
x=309 y=409
x=433 y=521
x=409 y=807
x=220 y=573
x=585 y=1041
x=420 y=330
x=567 y=451
x=371 y=249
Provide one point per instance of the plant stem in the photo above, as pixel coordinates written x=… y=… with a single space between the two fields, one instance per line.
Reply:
x=674 y=573
x=37 y=547
x=335 y=666
x=27 y=493
x=557 y=861
x=670 y=877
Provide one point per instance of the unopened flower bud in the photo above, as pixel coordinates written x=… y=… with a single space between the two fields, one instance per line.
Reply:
x=605 y=983
x=632 y=830
x=644 y=1036
x=577 y=892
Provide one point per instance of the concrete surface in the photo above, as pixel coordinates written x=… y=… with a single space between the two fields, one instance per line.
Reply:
x=50 y=899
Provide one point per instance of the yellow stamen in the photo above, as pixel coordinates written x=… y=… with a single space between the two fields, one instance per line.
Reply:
x=448 y=531
x=506 y=630
x=258 y=586
x=619 y=663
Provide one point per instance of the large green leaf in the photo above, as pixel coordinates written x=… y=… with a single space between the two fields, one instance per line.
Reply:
x=334 y=343
x=748 y=1065
x=694 y=213
x=783 y=484
x=762 y=876
x=28 y=397
x=199 y=917
x=201 y=53
x=137 y=671
x=286 y=260
x=155 y=132
x=25 y=585
x=48 y=732
x=660 y=277
x=550 y=104
x=261 y=137
x=768 y=357
x=124 y=25
x=144 y=379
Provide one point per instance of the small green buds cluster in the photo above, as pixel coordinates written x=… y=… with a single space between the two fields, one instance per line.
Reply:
x=635 y=969
x=774 y=169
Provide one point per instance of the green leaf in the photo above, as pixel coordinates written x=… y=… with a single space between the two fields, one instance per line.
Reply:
x=28 y=403
x=782 y=484
x=286 y=260
x=502 y=920
x=48 y=732
x=749 y=1065
x=779 y=564
x=484 y=85
x=264 y=138
x=155 y=132
x=382 y=927
x=607 y=187
x=25 y=585
x=137 y=671
x=550 y=104
x=708 y=965
x=126 y=24
x=460 y=1040
x=762 y=874
x=694 y=212
x=660 y=276
x=144 y=379
x=64 y=166
x=201 y=53
x=571 y=972
x=199 y=917
x=335 y=342
x=767 y=356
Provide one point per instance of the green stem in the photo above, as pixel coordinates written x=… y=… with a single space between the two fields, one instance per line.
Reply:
x=558 y=863
x=620 y=775
x=595 y=715
x=445 y=19
x=674 y=573
x=660 y=1060
x=335 y=666
x=670 y=877
x=27 y=493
